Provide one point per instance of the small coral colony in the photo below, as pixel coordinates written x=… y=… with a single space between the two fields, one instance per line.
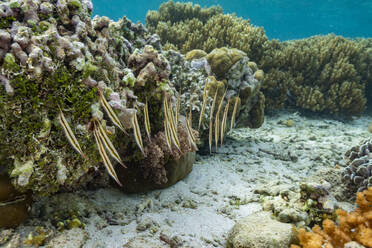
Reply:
x=133 y=96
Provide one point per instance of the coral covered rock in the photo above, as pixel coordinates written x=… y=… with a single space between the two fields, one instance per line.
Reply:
x=358 y=172
x=198 y=83
x=73 y=92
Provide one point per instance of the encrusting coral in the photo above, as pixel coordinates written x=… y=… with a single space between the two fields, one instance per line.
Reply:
x=353 y=226
x=322 y=73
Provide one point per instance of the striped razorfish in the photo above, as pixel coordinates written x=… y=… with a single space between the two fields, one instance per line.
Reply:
x=147 y=120
x=205 y=97
x=190 y=113
x=107 y=143
x=191 y=136
x=234 y=113
x=211 y=122
x=110 y=112
x=105 y=158
x=178 y=107
x=217 y=121
x=137 y=132
x=167 y=135
x=224 y=121
x=69 y=134
x=170 y=122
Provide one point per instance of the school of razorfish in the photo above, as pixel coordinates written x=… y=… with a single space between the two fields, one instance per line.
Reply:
x=171 y=121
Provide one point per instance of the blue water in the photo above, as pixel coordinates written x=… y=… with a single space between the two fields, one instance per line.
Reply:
x=282 y=19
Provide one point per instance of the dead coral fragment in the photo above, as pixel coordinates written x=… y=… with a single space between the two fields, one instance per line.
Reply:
x=353 y=226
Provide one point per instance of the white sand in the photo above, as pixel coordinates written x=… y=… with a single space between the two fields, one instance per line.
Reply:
x=200 y=210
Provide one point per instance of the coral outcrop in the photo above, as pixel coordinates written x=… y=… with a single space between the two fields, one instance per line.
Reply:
x=72 y=88
x=358 y=173
x=353 y=226
x=322 y=73
x=201 y=78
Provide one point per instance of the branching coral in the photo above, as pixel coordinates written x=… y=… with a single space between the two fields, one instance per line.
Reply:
x=324 y=74
x=353 y=226
x=174 y=12
x=321 y=73
x=188 y=31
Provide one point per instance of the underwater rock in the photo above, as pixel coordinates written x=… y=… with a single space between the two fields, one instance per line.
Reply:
x=175 y=170
x=14 y=206
x=260 y=231
x=192 y=77
x=370 y=128
x=358 y=173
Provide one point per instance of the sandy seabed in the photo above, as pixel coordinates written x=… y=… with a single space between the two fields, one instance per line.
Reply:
x=200 y=210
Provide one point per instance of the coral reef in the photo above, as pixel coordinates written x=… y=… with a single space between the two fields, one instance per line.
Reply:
x=58 y=67
x=353 y=226
x=357 y=174
x=322 y=73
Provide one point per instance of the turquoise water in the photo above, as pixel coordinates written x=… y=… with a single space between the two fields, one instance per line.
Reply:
x=282 y=19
